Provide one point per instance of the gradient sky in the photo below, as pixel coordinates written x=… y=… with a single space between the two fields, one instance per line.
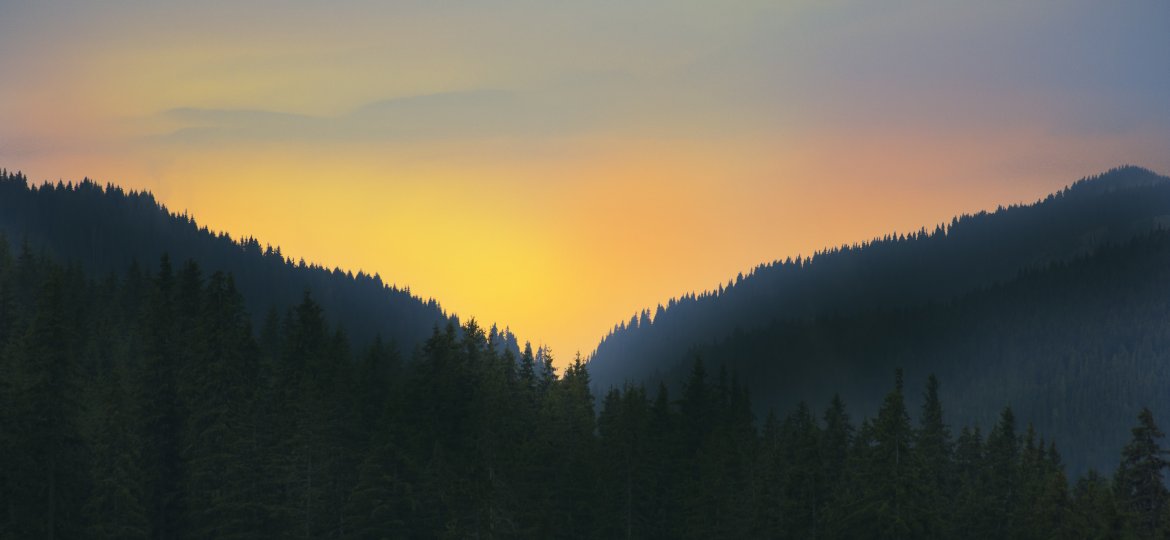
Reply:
x=556 y=166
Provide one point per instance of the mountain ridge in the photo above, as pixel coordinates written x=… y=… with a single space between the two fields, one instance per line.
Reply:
x=107 y=229
x=973 y=250
x=1057 y=343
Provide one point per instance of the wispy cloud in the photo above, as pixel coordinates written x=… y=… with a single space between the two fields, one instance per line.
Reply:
x=451 y=115
x=617 y=121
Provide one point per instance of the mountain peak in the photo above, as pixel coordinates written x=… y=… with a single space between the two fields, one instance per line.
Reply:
x=1123 y=177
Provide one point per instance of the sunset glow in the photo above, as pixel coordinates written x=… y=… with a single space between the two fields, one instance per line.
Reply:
x=554 y=167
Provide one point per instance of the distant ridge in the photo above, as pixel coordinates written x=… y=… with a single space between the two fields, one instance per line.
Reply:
x=1051 y=306
x=107 y=229
x=970 y=252
x=1072 y=347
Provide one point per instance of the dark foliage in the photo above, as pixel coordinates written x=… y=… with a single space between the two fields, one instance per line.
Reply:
x=105 y=229
x=146 y=406
x=897 y=270
x=1058 y=308
x=1076 y=348
x=151 y=401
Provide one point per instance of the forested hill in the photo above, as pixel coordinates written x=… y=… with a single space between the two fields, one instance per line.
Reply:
x=143 y=405
x=108 y=230
x=898 y=270
x=1073 y=348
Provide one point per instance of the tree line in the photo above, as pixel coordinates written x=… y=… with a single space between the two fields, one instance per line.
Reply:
x=896 y=271
x=105 y=227
x=145 y=405
x=1076 y=347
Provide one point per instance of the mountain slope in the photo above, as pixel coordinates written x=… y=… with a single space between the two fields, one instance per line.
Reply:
x=142 y=406
x=973 y=251
x=1073 y=348
x=107 y=229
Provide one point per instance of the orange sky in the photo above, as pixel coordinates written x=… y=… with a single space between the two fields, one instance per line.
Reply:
x=557 y=168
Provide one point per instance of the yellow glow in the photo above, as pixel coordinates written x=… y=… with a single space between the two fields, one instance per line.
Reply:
x=625 y=159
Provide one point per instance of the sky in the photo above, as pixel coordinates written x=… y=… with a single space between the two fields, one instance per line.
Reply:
x=556 y=166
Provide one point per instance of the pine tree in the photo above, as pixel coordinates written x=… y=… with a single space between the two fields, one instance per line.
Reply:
x=1051 y=509
x=890 y=503
x=835 y=442
x=527 y=375
x=695 y=406
x=803 y=483
x=161 y=409
x=46 y=493
x=302 y=376
x=665 y=458
x=10 y=414
x=624 y=426
x=494 y=429
x=378 y=368
x=576 y=478
x=1003 y=474
x=8 y=311
x=116 y=508
x=932 y=457
x=1141 y=488
x=698 y=414
x=972 y=516
x=220 y=446
x=768 y=486
x=1095 y=507
x=383 y=500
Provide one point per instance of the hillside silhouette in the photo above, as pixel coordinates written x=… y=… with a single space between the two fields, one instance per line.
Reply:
x=1023 y=291
x=1074 y=348
x=147 y=400
x=107 y=229
x=143 y=404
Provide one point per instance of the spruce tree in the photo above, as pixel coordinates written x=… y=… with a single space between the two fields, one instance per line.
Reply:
x=1003 y=474
x=893 y=499
x=1141 y=487
x=835 y=442
x=803 y=482
x=162 y=415
x=1094 y=505
x=220 y=446
x=972 y=515
x=932 y=460
x=116 y=507
x=48 y=455
x=768 y=486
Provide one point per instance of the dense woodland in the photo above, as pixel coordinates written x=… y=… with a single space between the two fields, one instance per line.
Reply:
x=225 y=391
x=144 y=404
x=1075 y=347
x=1060 y=309
x=105 y=228
x=897 y=270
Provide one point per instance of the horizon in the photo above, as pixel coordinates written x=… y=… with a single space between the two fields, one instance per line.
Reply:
x=563 y=360
x=557 y=189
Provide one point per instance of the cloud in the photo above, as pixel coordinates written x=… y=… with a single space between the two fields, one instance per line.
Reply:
x=439 y=116
x=234 y=117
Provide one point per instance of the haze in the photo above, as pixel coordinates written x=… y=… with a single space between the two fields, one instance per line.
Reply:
x=555 y=167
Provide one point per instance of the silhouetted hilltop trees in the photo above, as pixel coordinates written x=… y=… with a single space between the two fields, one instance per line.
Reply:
x=1075 y=347
x=1058 y=308
x=107 y=229
x=898 y=270
x=145 y=404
